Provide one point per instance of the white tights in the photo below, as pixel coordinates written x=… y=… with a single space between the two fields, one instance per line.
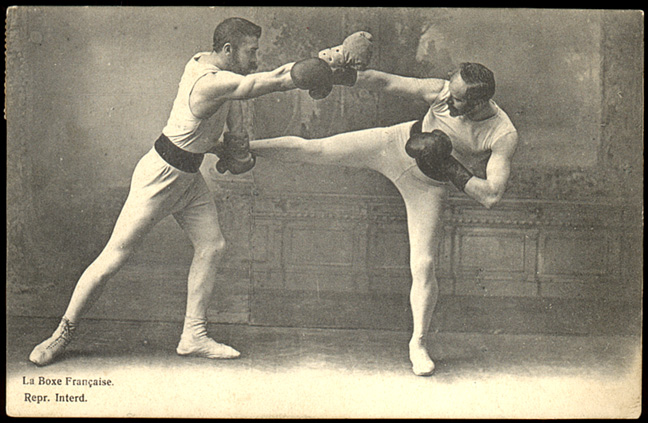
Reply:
x=383 y=150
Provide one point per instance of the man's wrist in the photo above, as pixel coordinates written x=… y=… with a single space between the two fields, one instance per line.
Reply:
x=457 y=173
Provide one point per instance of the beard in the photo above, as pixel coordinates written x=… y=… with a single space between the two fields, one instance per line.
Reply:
x=471 y=106
x=242 y=68
x=454 y=112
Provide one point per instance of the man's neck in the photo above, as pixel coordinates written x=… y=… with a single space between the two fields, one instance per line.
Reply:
x=214 y=59
x=483 y=112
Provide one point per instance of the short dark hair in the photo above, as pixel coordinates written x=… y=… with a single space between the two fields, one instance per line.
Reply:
x=233 y=30
x=480 y=80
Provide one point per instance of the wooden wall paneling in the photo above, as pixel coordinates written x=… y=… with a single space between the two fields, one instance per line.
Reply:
x=579 y=263
x=491 y=261
x=343 y=261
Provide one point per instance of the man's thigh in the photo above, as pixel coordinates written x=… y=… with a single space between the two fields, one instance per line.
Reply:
x=424 y=200
x=155 y=190
x=197 y=214
x=381 y=149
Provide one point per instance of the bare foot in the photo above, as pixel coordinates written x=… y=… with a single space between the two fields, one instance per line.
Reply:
x=422 y=364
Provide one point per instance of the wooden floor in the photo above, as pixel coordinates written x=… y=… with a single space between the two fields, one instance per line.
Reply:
x=296 y=372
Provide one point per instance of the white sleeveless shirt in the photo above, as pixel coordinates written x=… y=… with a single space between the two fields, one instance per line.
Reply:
x=183 y=128
x=471 y=140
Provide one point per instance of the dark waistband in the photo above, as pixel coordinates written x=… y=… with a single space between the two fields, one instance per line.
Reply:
x=417 y=128
x=181 y=159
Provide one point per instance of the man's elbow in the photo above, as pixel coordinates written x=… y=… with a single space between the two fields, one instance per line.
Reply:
x=491 y=199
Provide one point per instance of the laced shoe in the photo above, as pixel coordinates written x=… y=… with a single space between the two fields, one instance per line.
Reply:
x=47 y=351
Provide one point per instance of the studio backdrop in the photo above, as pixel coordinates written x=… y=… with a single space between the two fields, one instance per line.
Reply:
x=89 y=90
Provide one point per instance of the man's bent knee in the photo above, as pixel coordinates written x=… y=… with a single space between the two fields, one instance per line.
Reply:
x=423 y=267
x=212 y=249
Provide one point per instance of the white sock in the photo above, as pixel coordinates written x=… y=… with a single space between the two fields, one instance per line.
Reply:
x=194 y=327
x=194 y=341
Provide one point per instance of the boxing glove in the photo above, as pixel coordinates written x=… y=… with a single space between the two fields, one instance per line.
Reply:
x=432 y=151
x=435 y=143
x=234 y=154
x=313 y=75
x=236 y=167
x=355 y=52
x=237 y=145
x=345 y=76
x=320 y=93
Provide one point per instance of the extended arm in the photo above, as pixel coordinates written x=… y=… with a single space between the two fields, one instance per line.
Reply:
x=213 y=90
x=489 y=191
x=232 y=86
x=425 y=89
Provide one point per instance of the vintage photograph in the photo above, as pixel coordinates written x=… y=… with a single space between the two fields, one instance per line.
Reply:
x=324 y=212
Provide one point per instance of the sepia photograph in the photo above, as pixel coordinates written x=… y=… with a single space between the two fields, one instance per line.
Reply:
x=324 y=212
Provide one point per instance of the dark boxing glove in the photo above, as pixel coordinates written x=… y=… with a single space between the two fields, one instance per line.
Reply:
x=236 y=167
x=345 y=76
x=340 y=76
x=313 y=75
x=320 y=93
x=432 y=151
x=235 y=154
x=435 y=143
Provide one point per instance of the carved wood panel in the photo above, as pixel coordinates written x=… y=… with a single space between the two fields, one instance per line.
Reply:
x=332 y=249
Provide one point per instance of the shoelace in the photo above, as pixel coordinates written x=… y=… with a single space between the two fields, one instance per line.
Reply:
x=65 y=336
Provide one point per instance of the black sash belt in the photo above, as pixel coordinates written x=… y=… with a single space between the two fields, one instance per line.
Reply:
x=177 y=157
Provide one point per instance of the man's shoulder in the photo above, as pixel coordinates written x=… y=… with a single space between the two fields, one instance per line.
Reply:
x=504 y=120
x=440 y=103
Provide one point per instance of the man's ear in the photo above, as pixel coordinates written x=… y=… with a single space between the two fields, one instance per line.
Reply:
x=227 y=48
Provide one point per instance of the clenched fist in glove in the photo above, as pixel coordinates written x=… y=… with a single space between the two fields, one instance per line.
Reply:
x=234 y=153
x=313 y=75
x=432 y=151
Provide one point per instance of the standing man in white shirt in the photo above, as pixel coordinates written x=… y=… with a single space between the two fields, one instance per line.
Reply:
x=167 y=180
x=465 y=139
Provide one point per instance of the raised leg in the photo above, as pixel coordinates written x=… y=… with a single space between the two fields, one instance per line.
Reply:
x=366 y=148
